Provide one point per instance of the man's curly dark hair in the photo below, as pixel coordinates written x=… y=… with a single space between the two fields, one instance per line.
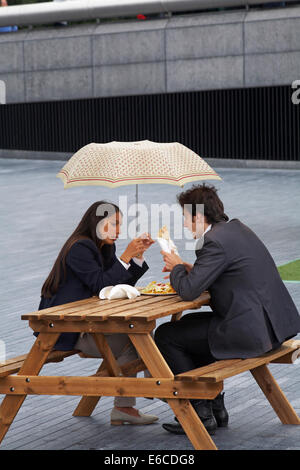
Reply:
x=206 y=195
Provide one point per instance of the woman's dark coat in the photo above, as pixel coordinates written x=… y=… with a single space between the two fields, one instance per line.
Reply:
x=87 y=271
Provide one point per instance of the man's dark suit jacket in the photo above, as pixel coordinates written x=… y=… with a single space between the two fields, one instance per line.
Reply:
x=87 y=272
x=245 y=287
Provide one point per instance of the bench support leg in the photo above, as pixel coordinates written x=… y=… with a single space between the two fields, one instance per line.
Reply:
x=275 y=396
x=31 y=366
x=184 y=411
x=87 y=404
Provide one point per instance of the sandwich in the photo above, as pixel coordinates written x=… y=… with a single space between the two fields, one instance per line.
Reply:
x=164 y=240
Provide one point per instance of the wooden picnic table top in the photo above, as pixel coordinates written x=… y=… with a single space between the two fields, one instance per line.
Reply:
x=144 y=308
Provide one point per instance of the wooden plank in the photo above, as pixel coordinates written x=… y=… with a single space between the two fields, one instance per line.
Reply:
x=106 y=352
x=274 y=395
x=102 y=307
x=147 y=308
x=81 y=308
x=176 y=316
x=32 y=365
x=194 y=374
x=67 y=307
x=242 y=366
x=78 y=313
x=178 y=307
x=292 y=356
x=109 y=326
x=183 y=409
x=13 y=360
x=11 y=369
x=128 y=370
x=106 y=386
x=87 y=404
x=11 y=366
x=126 y=306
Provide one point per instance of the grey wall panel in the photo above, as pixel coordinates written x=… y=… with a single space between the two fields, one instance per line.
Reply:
x=272 y=69
x=209 y=41
x=272 y=36
x=58 y=84
x=130 y=47
x=129 y=79
x=50 y=54
x=11 y=57
x=182 y=53
x=205 y=74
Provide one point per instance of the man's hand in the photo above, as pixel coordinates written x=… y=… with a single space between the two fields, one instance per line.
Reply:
x=188 y=266
x=171 y=260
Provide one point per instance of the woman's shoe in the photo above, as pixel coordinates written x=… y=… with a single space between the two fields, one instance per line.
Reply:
x=117 y=418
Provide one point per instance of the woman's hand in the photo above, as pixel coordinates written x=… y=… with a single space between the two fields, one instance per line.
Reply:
x=147 y=240
x=171 y=260
x=135 y=248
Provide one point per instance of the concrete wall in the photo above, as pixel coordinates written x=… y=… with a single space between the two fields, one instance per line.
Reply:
x=183 y=53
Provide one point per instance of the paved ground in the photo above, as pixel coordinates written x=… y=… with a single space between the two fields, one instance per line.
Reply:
x=37 y=215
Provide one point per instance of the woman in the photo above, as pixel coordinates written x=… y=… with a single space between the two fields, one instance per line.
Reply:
x=86 y=263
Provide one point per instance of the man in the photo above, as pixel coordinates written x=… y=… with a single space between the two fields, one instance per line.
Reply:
x=252 y=311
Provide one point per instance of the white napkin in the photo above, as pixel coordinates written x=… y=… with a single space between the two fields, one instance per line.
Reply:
x=167 y=245
x=120 y=291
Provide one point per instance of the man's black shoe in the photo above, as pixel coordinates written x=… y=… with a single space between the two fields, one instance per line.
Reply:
x=174 y=428
x=219 y=411
x=204 y=410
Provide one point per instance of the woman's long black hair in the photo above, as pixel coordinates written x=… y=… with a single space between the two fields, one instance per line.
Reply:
x=86 y=229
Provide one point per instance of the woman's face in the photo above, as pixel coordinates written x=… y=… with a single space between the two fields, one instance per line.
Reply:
x=110 y=228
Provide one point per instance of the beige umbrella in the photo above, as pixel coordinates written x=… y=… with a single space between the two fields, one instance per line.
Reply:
x=121 y=163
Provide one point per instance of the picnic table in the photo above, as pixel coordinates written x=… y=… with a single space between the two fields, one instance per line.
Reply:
x=137 y=318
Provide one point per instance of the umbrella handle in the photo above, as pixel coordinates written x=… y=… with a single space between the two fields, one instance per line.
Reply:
x=136 y=202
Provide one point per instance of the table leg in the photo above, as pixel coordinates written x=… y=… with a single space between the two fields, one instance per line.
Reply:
x=275 y=395
x=183 y=409
x=31 y=366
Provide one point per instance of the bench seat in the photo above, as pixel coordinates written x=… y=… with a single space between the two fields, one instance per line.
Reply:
x=218 y=371
x=13 y=365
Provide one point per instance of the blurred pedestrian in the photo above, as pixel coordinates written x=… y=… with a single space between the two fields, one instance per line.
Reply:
x=6 y=29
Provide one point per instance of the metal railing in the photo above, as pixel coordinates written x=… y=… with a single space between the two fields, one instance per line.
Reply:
x=79 y=10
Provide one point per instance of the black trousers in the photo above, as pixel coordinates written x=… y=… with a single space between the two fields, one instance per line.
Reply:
x=184 y=343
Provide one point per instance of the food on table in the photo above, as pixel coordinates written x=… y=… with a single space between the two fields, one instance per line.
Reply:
x=158 y=288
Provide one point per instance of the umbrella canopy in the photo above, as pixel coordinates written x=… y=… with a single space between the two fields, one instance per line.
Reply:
x=121 y=163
